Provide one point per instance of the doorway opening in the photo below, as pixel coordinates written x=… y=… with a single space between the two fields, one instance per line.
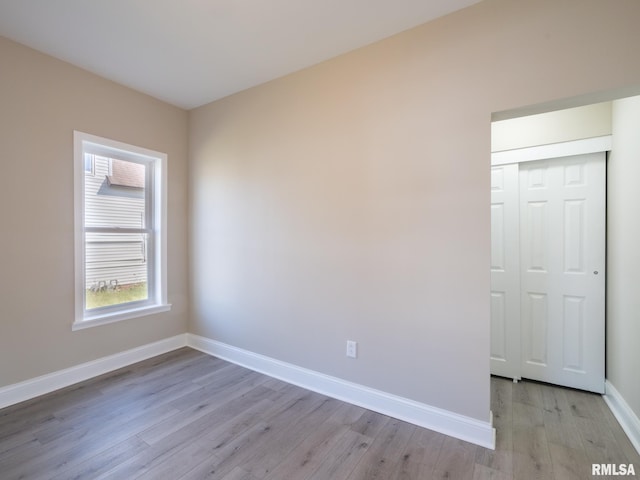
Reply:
x=609 y=126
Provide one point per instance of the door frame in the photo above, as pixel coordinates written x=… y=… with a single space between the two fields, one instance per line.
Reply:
x=553 y=150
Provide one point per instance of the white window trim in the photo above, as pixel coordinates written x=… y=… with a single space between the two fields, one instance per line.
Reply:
x=158 y=284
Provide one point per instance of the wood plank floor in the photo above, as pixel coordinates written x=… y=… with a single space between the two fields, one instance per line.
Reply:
x=187 y=416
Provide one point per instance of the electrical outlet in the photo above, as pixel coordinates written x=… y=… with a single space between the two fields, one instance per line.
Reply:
x=352 y=349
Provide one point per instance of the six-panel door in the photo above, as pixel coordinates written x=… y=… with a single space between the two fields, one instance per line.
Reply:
x=561 y=272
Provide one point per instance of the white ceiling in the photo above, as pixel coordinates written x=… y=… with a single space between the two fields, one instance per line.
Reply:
x=191 y=52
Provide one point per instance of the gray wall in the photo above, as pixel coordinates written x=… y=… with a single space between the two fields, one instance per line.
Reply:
x=351 y=200
x=43 y=101
x=623 y=253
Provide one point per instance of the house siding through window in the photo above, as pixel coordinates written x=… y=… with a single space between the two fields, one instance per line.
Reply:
x=113 y=259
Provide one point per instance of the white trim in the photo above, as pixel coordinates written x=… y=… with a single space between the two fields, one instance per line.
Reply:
x=553 y=150
x=443 y=421
x=78 y=182
x=19 y=392
x=105 y=319
x=627 y=418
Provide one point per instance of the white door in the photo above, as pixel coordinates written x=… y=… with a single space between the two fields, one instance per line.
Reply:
x=505 y=272
x=562 y=260
x=547 y=271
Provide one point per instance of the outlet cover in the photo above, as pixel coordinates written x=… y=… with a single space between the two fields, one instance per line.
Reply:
x=352 y=349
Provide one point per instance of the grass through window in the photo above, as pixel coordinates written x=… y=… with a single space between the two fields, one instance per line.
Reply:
x=119 y=295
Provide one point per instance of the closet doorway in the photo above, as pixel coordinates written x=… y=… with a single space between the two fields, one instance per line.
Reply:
x=548 y=234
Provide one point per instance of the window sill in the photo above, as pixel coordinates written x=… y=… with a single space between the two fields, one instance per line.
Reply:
x=106 y=318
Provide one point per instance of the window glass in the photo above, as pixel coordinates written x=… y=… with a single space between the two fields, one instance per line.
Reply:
x=115 y=268
x=88 y=163
x=115 y=199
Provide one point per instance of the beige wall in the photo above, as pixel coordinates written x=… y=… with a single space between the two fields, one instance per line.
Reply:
x=553 y=127
x=42 y=101
x=351 y=200
x=623 y=255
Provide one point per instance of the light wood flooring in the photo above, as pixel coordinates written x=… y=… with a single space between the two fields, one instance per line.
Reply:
x=186 y=416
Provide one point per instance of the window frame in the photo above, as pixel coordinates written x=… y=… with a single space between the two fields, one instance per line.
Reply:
x=155 y=228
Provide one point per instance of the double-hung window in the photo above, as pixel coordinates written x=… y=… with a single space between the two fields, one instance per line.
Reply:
x=120 y=231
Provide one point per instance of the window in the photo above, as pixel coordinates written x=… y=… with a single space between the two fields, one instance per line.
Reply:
x=120 y=231
x=88 y=163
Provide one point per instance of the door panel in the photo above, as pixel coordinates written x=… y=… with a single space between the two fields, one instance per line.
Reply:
x=535 y=320
x=573 y=334
x=498 y=327
x=497 y=234
x=537 y=236
x=562 y=227
x=505 y=272
x=574 y=233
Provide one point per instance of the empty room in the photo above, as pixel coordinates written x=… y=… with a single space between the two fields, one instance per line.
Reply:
x=319 y=240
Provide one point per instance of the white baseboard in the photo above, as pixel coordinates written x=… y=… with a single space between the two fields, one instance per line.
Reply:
x=439 y=420
x=19 y=392
x=628 y=420
x=443 y=421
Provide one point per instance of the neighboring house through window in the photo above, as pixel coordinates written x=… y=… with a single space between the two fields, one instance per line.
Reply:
x=120 y=202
